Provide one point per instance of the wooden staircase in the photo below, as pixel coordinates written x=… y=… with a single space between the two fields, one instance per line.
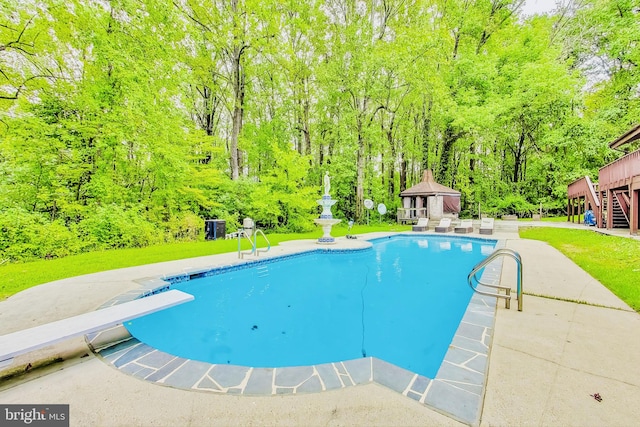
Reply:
x=620 y=209
x=583 y=188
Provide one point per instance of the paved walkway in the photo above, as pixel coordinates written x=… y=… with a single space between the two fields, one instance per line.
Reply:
x=545 y=361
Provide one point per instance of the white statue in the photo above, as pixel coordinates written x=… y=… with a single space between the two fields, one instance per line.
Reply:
x=327 y=183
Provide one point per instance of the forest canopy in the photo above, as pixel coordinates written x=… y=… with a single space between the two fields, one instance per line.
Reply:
x=127 y=122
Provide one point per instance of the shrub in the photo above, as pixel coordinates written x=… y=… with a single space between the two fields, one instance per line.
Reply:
x=113 y=227
x=515 y=205
x=28 y=235
x=185 y=227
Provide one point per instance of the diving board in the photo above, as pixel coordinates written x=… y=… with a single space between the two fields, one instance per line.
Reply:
x=27 y=340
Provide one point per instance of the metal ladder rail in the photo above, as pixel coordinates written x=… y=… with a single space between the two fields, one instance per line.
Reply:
x=241 y=254
x=507 y=297
x=255 y=239
x=254 y=243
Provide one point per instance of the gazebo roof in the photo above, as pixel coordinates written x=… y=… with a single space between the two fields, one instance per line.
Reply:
x=428 y=187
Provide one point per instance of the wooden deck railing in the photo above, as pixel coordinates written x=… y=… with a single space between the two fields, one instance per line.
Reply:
x=620 y=172
x=624 y=203
x=583 y=187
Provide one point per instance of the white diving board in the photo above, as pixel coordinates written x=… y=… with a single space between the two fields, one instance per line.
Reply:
x=27 y=340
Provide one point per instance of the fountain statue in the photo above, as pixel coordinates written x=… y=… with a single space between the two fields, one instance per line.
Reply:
x=327 y=183
x=326 y=220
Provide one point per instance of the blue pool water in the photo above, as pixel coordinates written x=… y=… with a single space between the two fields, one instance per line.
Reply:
x=400 y=301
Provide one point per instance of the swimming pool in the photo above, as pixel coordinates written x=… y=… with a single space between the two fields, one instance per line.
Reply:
x=400 y=301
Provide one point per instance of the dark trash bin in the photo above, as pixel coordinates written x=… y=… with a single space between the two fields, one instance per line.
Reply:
x=214 y=229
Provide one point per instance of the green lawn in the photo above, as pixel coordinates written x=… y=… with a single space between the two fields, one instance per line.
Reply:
x=547 y=219
x=613 y=261
x=19 y=276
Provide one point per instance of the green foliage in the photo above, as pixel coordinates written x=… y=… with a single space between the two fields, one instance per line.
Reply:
x=112 y=227
x=282 y=201
x=515 y=205
x=154 y=116
x=26 y=235
x=183 y=227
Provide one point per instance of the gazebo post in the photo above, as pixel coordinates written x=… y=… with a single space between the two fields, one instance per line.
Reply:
x=435 y=207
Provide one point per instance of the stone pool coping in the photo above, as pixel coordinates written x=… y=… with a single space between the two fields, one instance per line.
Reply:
x=457 y=390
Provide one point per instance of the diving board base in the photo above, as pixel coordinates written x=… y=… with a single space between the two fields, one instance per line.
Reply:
x=21 y=342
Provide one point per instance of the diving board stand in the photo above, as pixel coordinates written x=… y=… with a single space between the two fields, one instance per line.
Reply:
x=20 y=342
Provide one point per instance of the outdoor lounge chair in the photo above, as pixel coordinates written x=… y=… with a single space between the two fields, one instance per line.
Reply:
x=486 y=226
x=466 y=226
x=444 y=226
x=422 y=225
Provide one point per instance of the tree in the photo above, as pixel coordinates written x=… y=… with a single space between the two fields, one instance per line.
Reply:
x=28 y=58
x=156 y=114
x=601 y=37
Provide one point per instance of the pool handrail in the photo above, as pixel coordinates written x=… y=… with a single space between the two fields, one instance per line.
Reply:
x=507 y=296
x=254 y=243
x=241 y=234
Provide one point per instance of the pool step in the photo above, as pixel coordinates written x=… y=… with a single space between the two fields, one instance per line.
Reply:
x=263 y=270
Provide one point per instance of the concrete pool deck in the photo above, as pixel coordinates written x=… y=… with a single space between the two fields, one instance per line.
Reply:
x=545 y=361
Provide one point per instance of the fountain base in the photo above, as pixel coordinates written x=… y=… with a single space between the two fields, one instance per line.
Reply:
x=326 y=225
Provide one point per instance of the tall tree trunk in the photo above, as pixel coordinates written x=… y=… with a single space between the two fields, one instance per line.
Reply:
x=321 y=150
x=392 y=147
x=456 y=44
x=207 y=116
x=472 y=162
x=305 y=117
x=303 y=146
x=426 y=131
x=238 y=82
x=403 y=172
x=517 y=157
x=392 y=167
x=360 y=164
x=238 y=111
x=305 y=128
x=450 y=138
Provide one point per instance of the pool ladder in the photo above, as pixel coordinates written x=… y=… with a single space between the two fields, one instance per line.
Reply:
x=254 y=243
x=473 y=278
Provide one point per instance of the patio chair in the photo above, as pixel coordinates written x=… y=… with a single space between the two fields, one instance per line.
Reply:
x=444 y=226
x=422 y=225
x=486 y=226
x=466 y=226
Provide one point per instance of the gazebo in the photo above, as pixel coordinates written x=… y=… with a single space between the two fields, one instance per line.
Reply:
x=428 y=199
